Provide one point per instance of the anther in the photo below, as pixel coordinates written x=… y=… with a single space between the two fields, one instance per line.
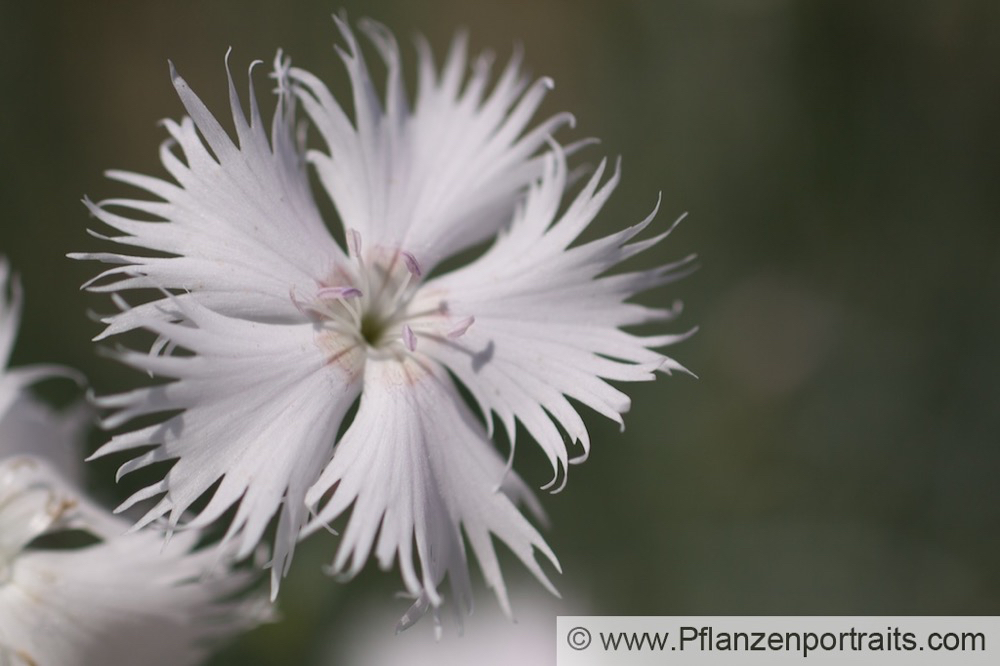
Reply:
x=409 y=338
x=460 y=328
x=411 y=264
x=339 y=293
x=354 y=242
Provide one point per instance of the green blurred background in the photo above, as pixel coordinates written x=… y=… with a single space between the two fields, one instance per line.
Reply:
x=838 y=453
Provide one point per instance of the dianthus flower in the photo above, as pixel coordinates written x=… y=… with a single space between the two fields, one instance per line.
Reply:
x=120 y=598
x=283 y=329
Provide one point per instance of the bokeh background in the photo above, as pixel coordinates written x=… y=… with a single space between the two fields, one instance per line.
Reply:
x=838 y=453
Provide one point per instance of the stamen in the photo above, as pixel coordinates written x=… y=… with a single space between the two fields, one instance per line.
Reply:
x=413 y=271
x=411 y=264
x=354 y=242
x=339 y=293
x=461 y=327
x=371 y=302
x=387 y=278
x=409 y=338
x=344 y=295
x=297 y=303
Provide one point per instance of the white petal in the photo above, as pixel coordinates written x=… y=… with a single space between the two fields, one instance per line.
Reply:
x=262 y=405
x=417 y=468
x=547 y=318
x=440 y=178
x=239 y=224
x=125 y=599
x=35 y=499
x=121 y=600
x=31 y=427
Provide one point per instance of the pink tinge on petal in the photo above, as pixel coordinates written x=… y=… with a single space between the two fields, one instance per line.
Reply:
x=411 y=264
x=460 y=328
x=339 y=292
x=409 y=338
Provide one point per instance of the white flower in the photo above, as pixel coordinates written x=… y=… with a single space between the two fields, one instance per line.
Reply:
x=284 y=330
x=119 y=599
x=126 y=599
x=486 y=639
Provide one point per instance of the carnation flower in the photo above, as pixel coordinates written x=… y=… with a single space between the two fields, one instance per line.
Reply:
x=283 y=330
x=120 y=598
x=124 y=599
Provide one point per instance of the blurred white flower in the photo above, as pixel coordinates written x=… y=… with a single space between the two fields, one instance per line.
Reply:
x=124 y=599
x=28 y=425
x=119 y=599
x=284 y=331
x=486 y=639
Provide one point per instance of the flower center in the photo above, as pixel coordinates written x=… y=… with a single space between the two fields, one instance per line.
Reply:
x=370 y=304
x=372 y=329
